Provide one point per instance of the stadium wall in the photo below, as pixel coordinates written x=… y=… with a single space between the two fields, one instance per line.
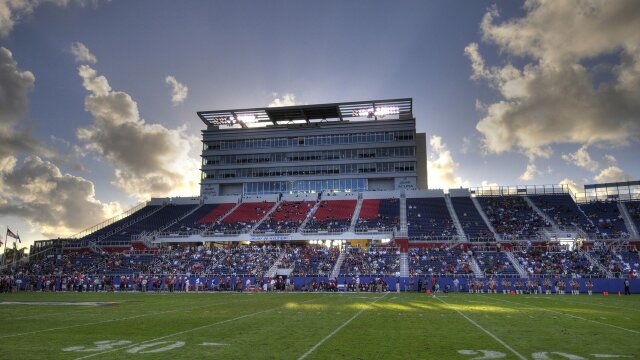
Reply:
x=613 y=286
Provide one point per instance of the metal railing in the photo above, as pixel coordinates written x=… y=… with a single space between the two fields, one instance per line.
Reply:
x=108 y=222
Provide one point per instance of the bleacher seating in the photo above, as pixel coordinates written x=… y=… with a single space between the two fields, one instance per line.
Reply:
x=495 y=263
x=332 y=216
x=371 y=261
x=310 y=260
x=154 y=222
x=511 y=216
x=287 y=217
x=470 y=219
x=621 y=263
x=439 y=262
x=145 y=211
x=191 y=222
x=429 y=218
x=633 y=208
x=556 y=263
x=243 y=218
x=379 y=215
x=216 y=213
x=606 y=217
x=563 y=211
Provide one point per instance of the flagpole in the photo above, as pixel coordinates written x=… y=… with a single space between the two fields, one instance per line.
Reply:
x=4 y=258
x=15 y=255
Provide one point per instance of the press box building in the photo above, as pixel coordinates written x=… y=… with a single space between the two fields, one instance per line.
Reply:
x=353 y=146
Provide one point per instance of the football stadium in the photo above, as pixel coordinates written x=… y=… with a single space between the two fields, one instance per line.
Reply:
x=316 y=236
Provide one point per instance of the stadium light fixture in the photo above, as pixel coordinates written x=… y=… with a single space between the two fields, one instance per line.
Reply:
x=246 y=118
x=380 y=111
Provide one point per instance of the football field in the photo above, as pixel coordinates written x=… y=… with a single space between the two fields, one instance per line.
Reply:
x=317 y=326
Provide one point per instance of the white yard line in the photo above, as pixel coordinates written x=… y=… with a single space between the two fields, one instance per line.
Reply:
x=51 y=314
x=87 y=324
x=506 y=346
x=310 y=351
x=584 y=303
x=187 y=331
x=103 y=321
x=569 y=315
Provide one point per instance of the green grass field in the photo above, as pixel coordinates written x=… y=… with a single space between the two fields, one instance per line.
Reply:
x=319 y=326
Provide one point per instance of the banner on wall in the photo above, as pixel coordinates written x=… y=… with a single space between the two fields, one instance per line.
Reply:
x=209 y=190
x=407 y=183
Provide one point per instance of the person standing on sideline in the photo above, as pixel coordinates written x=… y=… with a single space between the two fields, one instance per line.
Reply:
x=456 y=285
x=419 y=285
x=398 y=285
x=627 y=291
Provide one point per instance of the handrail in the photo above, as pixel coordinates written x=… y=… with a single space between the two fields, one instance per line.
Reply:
x=108 y=222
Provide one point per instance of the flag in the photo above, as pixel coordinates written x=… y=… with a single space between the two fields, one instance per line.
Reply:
x=10 y=233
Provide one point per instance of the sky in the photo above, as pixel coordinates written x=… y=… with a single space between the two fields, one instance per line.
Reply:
x=98 y=99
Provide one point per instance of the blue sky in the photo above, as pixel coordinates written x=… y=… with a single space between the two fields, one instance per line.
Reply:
x=505 y=94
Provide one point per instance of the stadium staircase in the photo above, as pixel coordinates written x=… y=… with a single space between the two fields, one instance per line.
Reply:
x=230 y=211
x=595 y=263
x=631 y=226
x=310 y=215
x=454 y=217
x=147 y=237
x=404 y=230
x=404 y=264
x=273 y=270
x=267 y=215
x=95 y=248
x=485 y=218
x=163 y=228
x=475 y=267
x=336 y=268
x=108 y=222
x=516 y=264
x=554 y=227
x=356 y=214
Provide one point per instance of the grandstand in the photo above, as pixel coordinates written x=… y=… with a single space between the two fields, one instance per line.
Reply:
x=337 y=192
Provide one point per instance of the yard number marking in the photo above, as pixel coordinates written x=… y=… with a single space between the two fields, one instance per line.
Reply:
x=486 y=354
x=99 y=346
x=171 y=345
x=545 y=356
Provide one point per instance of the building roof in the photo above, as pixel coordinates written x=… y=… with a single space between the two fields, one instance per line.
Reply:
x=300 y=114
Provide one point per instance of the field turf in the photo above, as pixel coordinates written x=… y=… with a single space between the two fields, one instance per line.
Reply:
x=319 y=326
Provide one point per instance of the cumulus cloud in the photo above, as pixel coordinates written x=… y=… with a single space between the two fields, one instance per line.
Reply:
x=574 y=187
x=530 y=172
x=287 y=99
x=441 y=167
x=56 y=204
x=179 y=91
x=15 y=85
x=553 y=98
x=612 y=174
x=581 y=158
x=13 y=11
x=36 y=191
x=82 y=54
x=149 y=159
x=610 y=159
